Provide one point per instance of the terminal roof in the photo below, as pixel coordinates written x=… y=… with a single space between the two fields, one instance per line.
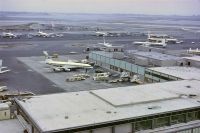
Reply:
x=89 y=108
x=157 y=56
x=179 y=72
x=195 y=58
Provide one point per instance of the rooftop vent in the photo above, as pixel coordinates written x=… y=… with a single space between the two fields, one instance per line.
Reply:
x=154 y=107
x=188 y=96
x=188 y=86
x=191 y=95
x=108 y=112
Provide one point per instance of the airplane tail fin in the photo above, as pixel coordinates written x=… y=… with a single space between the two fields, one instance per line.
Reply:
x=0 y=65
x=1 y=68
x=48 y=59
x=46 y=55
x=148 y=35
x=104 y=41
x=164 y=42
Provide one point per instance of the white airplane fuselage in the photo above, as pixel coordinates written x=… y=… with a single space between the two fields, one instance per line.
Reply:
x=9 y=35
x=64 y=65
x=193 y=51
x=151 y=43
x=154 y=40
x=70 y=64
x=101 y=33
x=43 y=34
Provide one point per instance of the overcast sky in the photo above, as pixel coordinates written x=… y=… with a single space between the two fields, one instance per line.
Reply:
x=166 y=7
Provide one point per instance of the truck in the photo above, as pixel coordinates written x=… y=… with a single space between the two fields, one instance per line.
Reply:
x=101 y=76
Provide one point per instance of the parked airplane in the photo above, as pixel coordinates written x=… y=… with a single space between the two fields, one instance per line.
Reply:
x=194 y=51
x=43 y=34
x=161 y=42
x=154 y=40
x=98 y=33
x=9 y=35
x=3 y=88
x=1 y=68
x=64 y=65
x=109 y=34
x=167 y=38
x=105 y=44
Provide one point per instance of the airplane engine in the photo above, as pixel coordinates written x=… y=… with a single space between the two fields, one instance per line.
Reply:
x=67 y=69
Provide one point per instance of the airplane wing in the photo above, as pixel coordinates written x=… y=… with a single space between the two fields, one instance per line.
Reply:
x=145 y=43
x=4 y=71
x=67 y=68
x=76 y=66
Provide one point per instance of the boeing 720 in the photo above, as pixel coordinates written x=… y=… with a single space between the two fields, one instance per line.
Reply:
x=105 y=44
x=64 y=65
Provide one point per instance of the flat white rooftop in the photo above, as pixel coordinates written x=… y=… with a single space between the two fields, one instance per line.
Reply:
x=157 y=56
x=180 y=72
x=194 y=58
x=87 y=108
x=134 y=96
x=107 y=54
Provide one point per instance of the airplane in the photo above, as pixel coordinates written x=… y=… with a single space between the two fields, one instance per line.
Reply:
x=9 y=35
x=109 y=34
x=43 y=34
x=66 y=66
x=3 y=88
x=160 y=42
x=98 y=33
x=193 y=51
x=1 y=68
x=167 y=38
x=154 y=40
x=106 y=44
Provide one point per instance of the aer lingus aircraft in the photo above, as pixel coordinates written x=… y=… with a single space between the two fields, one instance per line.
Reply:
x=64 y=65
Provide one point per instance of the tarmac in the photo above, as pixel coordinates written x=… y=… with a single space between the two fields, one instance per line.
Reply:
x=38 y=65
x=23 y=78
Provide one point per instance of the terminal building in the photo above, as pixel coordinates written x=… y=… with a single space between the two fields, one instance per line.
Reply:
x=155 y=59
x=133 y=61
x=160 y=107
x=163 y=74
x=193 y=61
x=4 y=111
x=116 y=61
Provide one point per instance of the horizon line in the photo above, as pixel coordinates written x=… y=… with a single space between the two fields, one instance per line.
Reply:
x=105 y=13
